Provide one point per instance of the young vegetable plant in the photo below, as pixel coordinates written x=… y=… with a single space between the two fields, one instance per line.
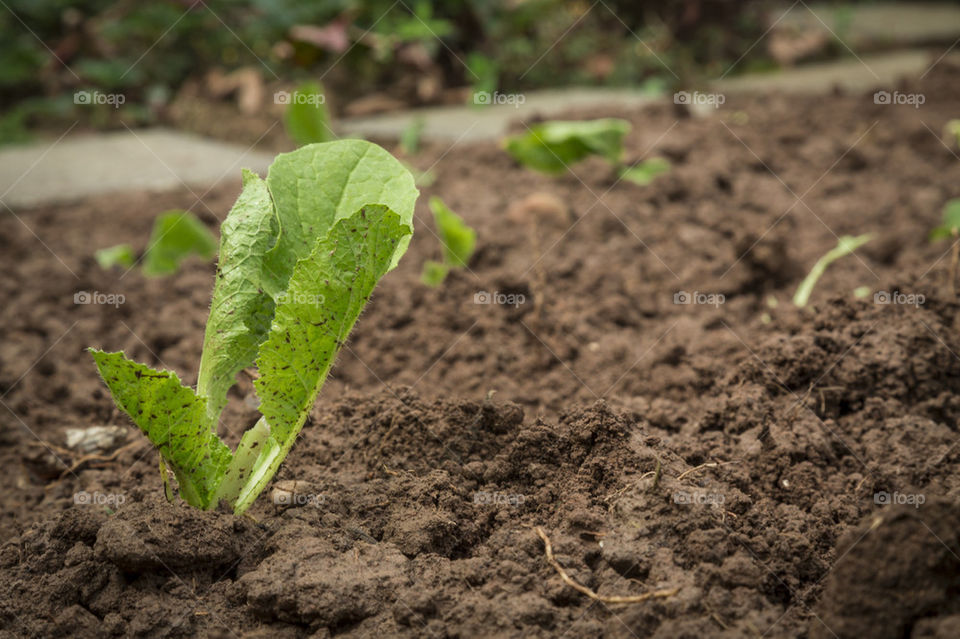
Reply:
x=300 y=254
x=846 y=245
x=458 y=239
x=550 y=147
x=176 y=235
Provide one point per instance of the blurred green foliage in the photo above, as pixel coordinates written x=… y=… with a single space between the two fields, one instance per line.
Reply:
x=146 y=50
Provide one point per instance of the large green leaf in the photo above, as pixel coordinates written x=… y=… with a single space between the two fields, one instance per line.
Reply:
x=327 y=292
x=317 y=185
x=243 y=296
x=173 y=418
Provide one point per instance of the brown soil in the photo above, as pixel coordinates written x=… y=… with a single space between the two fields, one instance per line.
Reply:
x=733 y=453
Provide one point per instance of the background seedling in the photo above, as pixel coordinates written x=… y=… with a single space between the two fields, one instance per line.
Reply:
x=119 y=255
x=306 y=118
x=300 y=254
x=950 y=229
x=176 y=236
x=846 y=245
x=551 y=147
x=645 y=172
x=410 y=136
x=457 y=238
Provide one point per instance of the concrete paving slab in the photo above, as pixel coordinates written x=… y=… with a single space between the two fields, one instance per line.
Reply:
x=883 y=24
x=157 y=159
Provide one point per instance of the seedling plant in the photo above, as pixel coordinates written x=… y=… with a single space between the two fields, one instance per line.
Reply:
x=846 y=245
x=457 y=238
x=176 y=235
x=300 y=255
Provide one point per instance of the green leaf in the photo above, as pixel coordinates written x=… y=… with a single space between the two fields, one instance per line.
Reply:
x=328 y=290
x=173 y=418
x=242 y=306
x=551 y=147
x=434 y=273
x=119 y=255
x=176 y=235
x=306 y=118
x=951 y=221
x=410 y=136
x=846 y=245
x=317 y=185
x=459 y=240
x=644 y=173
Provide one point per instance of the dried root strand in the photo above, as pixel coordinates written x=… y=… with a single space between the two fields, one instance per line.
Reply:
x=567 y=579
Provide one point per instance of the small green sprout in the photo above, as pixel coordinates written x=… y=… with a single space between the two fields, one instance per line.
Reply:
x=306 y=119
x=551 y=147
x=300 y=255
x=951 y=222
x=645 y=172
x=119 y=255
x=176 y=236
x=846 y=245
x=952 y=129
x=410 y=136
x=458 y=239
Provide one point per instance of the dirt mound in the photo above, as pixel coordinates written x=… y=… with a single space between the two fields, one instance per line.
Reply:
x=740 y=452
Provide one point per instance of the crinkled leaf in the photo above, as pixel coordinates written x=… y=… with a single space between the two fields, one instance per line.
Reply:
x=458 y=239
x=119 y=255
x=173 y=418
x=176 y=235
x=242 y=306
x=551 y=147
x=306 y=118
x=317 y=185
x=341 y=273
